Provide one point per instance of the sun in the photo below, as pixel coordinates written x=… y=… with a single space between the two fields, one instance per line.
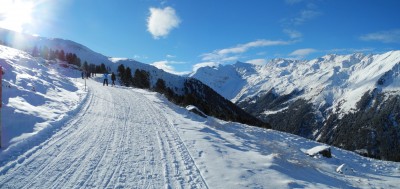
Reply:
x=16 y=14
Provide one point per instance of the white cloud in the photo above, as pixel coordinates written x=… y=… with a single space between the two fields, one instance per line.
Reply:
x=301 y=53
x=309 y=11
x=167 y=66
x=244 y=47
x=170 y=56
x=305 y=15
x=389 y=36
x=204 y=64
x=162 y=21
x=228 y=54
x=294 y=34
x=350 y=50
x=137 y=57
x=259 y=61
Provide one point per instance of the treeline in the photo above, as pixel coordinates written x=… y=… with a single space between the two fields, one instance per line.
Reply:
x=70 y=58
x=141 y=78
x=50 y=54
x=193 y=92
x=92 y=68
x=371 y=129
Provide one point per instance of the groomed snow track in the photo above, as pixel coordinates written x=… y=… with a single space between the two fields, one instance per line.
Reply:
x=117 y=140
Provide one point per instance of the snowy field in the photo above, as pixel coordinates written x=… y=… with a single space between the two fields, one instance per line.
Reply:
x=117 y=137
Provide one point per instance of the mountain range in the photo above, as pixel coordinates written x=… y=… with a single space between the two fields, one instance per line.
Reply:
x=181 y=90
x=350 y=101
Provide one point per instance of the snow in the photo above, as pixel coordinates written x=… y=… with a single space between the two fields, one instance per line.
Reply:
x=315 y=150
x=232 y=155
x=36 y=95
x=332 y=79
x=119 y=137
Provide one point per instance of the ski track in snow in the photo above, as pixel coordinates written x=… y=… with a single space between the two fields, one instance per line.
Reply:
x=117 y=140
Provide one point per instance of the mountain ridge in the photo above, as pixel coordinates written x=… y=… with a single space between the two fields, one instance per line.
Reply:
x=182 y=90
x=318 y=98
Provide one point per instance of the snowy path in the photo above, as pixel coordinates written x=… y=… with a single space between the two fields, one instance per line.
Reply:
x=118 y=140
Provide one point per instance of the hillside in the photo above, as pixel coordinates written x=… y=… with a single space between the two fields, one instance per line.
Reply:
x=123 y=137
x=321 y=99
x=181 y=90
x=37 y=94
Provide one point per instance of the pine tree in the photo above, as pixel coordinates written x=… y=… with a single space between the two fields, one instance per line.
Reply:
x=92 y=68
x=103 y=68
x=121 y=73
x=127 y=79
x=85 y=66
x=121 y=70
x=141 y=79
x=160 y=86
x=61 y=55
x=78 y=62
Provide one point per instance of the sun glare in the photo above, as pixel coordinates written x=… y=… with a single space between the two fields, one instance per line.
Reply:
x=16 y=14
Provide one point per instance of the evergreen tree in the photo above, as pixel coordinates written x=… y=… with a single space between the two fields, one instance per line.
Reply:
x=103 y=68
x=98 y=69
x=68 y=58
x=92 y=68
x=127 y=78
x=160 y=86
x=121 y=73
x=85 y=66
x=141 y=79
x=61 y=55
x=78 y=62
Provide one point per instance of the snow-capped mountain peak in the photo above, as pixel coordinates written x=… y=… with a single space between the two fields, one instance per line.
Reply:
x=337 y=75
x=322 y=99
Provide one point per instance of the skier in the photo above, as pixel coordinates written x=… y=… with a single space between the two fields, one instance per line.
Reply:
x=113 y=79
x=105 y=82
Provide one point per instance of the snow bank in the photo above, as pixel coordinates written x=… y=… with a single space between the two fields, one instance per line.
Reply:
x=232 y=155
x=324 y=150
x=37 y=94
x=196 y=110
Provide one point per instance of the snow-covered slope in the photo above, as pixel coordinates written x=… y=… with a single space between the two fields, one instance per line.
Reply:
x=59 y=136
x=131 y=138
x=176 y=87
x=330 y=80
x=351 y=101
x=37 y=95
x=28 y=42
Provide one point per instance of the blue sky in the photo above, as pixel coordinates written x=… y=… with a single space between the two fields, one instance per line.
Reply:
x=181 y=35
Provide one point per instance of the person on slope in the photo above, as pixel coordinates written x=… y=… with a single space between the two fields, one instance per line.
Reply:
x=113 y=78
x=105 y=75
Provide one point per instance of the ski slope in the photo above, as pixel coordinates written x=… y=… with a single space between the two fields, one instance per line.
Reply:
x=57 y=135
x=131 y=138
x=117 y=140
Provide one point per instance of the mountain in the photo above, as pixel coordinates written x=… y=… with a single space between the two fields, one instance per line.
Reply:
x=182 y=90
x=350 y=101
x=59 y=134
